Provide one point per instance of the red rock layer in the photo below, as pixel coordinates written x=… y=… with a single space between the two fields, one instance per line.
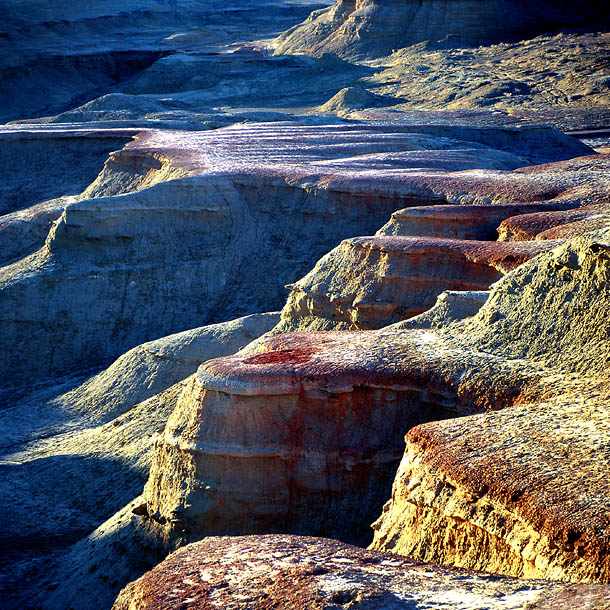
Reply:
x=478 y=222
x=555 y=224
x=305 y=435
x=298 y=573
x=370 y=282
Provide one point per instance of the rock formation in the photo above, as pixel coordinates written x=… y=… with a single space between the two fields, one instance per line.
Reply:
x=298 y=573
x=554 y=225
x=370 y=282
x=370 y=28
x=186 y=171
x=480 y=222
x=310 y=396
x=79 y=457
x=139 y=227
x=494 y=491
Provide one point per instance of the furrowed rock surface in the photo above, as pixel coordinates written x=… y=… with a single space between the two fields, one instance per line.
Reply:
x=313 y=422
x=521 y=492
x=370 y=282
x=469 y=492
x=298 y=573
x=371 y=28
x=260 y=201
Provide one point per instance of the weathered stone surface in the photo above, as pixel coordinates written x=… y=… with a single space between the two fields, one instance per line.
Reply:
x=372 y=28
x=557 y=79
x=299 y=404
x=56 y=53
x=555 y=225
x=262 y=216
x=504 y=491
x=370 y=282
x=298 y=573
x=322 y=417
x=478 y=222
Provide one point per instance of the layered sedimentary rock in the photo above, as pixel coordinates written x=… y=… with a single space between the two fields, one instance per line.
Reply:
x=313 y=422
x=370 y=282
x=262 y=203
x=505 y=491
x=290 y=572
x=69 y=462
x=555 y=225
x=43 y=170
x=372 y=28
x=478 y=222
x=467 y=491
x=521 y=492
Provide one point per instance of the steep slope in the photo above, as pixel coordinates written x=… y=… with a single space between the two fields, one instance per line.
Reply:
x=370 y=28
x=504 y=491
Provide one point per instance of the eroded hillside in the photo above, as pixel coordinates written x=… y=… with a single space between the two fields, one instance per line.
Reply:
x=422 y=189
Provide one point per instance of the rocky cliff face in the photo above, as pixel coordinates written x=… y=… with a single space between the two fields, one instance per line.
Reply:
x=190 y=193
x=309 y=422
x=485 y=503
x=356 y=28
x=186 y=175
x=370 y=282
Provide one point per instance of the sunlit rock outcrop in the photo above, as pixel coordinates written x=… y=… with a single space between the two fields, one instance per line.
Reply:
x=371 y=28
x=504 y=491
x=370 y=282
x=555 y=225
x=293 y=573
x=312 y=410
x=313 y=422
x=216 y=223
